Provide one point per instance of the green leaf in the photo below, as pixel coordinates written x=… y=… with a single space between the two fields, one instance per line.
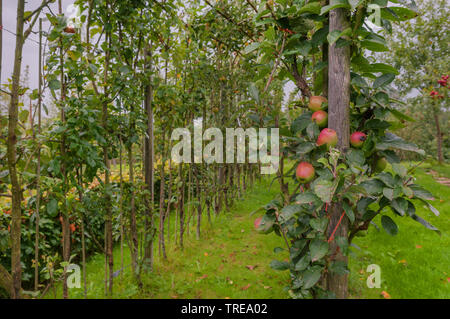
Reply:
x=389 y=225
x=288 y=211
x=54 y=84
x=399 y=169
x=304 y=148
x=393 y=141
x=336 y=34
x=434 y=210
x=397 y=13
x=421 y=192
x=279 y=265
x=301 y=122
x=388 y=193
x=305 y=198
x=383 y=80
x=401 y=116
x=52 y=207
x=383 y=68
x=319 y=224
x=349 y=212
x=400 y=205
x=252 y=47
x=375 y=46
x=334 y=5
x=254 y=92
x=302 y=263
x=372 y=186
x=23 y=116
x=270 y=33
x=124 y=69
x=358 y=80
x=312 y=7
x=318 y=249
x=325 y=189
x=311 y=277
x=425 y=223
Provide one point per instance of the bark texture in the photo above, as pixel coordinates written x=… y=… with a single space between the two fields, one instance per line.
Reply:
x=339 y=120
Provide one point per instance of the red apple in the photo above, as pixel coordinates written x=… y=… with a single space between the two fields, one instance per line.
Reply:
x=69 y=29
x=262 y=226
x=357 y=139
x=328 y=137
x=316 y=103
x=257 y=222
x=321 y=118
x=305 y=172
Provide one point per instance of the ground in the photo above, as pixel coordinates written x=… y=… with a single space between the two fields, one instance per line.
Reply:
x=232 y=260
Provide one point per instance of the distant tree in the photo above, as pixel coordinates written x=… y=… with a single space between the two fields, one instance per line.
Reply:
x=421 y=52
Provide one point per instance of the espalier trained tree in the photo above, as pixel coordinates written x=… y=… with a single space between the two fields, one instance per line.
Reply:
x=323 y=47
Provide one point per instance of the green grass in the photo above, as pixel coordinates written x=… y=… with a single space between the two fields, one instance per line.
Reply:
x=214 y=267
x=414 y=264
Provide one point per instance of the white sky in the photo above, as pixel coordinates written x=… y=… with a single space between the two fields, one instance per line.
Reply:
x=30 y=49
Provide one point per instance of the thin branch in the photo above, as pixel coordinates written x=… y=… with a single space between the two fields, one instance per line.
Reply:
x=30 y=28
x=252 y=5
x=275 y=66
x=230 y=20
x=300 y=81
x=6 y=92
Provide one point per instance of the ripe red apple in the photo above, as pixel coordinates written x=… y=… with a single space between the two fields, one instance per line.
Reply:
x=316 y=103
x=327 y=136
x=262 y=226
x=305 y=172
x=321 y=118
x=380 y=165
x=357 y=139
x=69 y=29
x=257 y=222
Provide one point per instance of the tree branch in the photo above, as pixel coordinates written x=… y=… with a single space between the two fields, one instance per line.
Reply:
x=300 y=81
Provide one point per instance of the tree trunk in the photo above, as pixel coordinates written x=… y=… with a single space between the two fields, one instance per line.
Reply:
x=133 y=226
x=339 y=120
x=149 y=167
x=161 y=211
x=1 y=38
x=199 y=205
x=108 y=220
x=438 y=138
x=16 y=269
x=38 y=166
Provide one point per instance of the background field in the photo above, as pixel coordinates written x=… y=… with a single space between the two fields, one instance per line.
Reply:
x=232 y=261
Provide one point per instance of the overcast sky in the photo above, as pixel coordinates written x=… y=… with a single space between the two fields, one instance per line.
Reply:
x=31 y=48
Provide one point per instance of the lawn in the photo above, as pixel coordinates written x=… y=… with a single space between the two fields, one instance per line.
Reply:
x=232 y=260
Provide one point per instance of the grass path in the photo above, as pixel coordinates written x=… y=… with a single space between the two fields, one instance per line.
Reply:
x=232 y=260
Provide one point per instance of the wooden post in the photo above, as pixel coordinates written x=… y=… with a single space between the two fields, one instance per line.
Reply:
x=339 y=120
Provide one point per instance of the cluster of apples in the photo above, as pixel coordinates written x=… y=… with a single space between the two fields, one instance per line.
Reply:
x=305 y=171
